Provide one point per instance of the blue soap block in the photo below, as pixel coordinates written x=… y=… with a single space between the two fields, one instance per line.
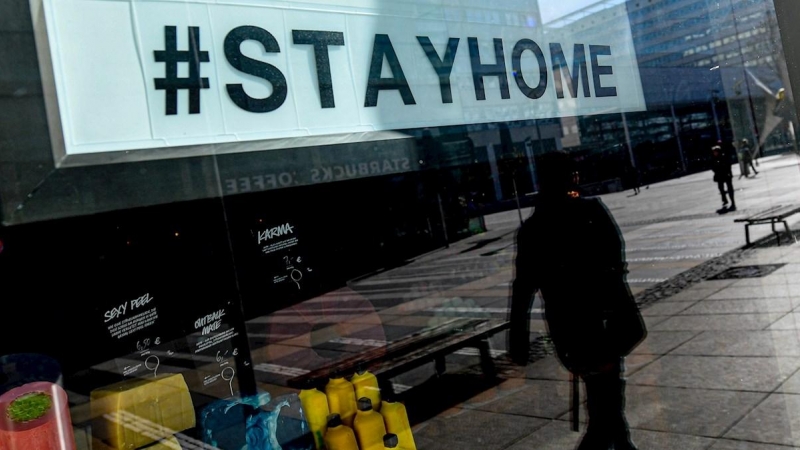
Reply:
x=224 y=423
x=256 y=423
x=291 y=427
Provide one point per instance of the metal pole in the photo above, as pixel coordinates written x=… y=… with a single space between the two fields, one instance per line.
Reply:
x=678 y=137
x=539 y=136
x=516 y=196
x=529 y=155
x=753 y=119
x=628 y=140
x=492 y=156
x=444 y=221
x=716 y=118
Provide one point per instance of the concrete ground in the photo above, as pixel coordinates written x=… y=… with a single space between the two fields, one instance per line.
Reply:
x=718 y=370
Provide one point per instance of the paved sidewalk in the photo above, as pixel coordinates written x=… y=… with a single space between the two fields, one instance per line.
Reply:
x=719 y=370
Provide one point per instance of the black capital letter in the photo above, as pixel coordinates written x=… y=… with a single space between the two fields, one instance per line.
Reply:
x=233 y=54
x=479 y=71
x=443 y=67
x=579 y=70
x=321 y=40
x=381 y=49
x=516 y=57
x=597 y=70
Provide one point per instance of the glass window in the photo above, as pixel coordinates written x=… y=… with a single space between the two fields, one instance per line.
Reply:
x=421 y=224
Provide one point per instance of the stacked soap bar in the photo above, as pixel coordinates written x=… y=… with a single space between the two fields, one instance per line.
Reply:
x=35 y=416
x=256 y=423
x=136 y=413
x=170 y=443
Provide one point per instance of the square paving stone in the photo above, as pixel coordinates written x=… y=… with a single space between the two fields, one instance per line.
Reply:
x=764 y=291
x=548 y=368
x=666 y=308
x=789 y=321
x=742 y=343
x=744 y=306
x=537 y=398
x=775 y=421
x=661 y=342
x=728 y=444
x=652 y=321
x=559 y=436
x=478 y=430
x=687 y=411
x=712 y=284
x=654 y=440
x=692 y=294
x=770 y=280
x=555 y=436
x=721 y=322
x=792 y=385
x=635 y=363
x=790 y=268
x=714 y=372
x=792 y=256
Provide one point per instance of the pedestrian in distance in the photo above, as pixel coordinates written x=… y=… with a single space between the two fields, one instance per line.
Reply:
x=747 y=159
x=723 y=175
x=633 y=177
x=744 y=170
x=572 y=252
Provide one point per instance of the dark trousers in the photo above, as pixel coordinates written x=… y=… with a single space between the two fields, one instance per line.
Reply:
x=721 y=185
x=605 y=400
x=519 y=335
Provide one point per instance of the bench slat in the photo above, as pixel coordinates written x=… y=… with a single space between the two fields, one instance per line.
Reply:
x=779 y=212
x=379 y=360
x=389 y=368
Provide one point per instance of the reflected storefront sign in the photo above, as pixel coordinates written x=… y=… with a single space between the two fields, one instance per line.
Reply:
x=208 y=76
x=245 y=173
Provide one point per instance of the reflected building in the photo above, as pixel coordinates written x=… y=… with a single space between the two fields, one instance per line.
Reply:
x=709 y=71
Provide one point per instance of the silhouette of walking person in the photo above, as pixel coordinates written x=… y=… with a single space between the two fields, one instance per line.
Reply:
x=571 y=251
x=747 y=162
x=723 y=175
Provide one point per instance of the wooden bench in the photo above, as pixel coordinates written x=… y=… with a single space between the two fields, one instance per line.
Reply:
x=428 y=345
x=771 y=216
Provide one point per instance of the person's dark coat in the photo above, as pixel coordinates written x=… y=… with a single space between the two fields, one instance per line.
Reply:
x=721 y=166
x=572 y=251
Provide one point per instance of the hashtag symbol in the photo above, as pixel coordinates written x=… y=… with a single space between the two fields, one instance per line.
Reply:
x=171 y=56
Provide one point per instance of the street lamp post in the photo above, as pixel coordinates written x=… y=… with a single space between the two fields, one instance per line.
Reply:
x=675 y=125
x=714 y=99
x=752 y=111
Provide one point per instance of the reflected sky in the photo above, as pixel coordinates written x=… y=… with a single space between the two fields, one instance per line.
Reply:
x=551 y=10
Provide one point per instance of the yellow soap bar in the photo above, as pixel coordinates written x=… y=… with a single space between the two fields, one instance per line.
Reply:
x=135 y=413
x=170 y=443
x=167 y=444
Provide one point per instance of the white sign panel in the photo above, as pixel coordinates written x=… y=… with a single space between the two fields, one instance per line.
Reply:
x=157 y=74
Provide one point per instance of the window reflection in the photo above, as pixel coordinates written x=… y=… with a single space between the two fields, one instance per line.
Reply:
x=203 y=300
